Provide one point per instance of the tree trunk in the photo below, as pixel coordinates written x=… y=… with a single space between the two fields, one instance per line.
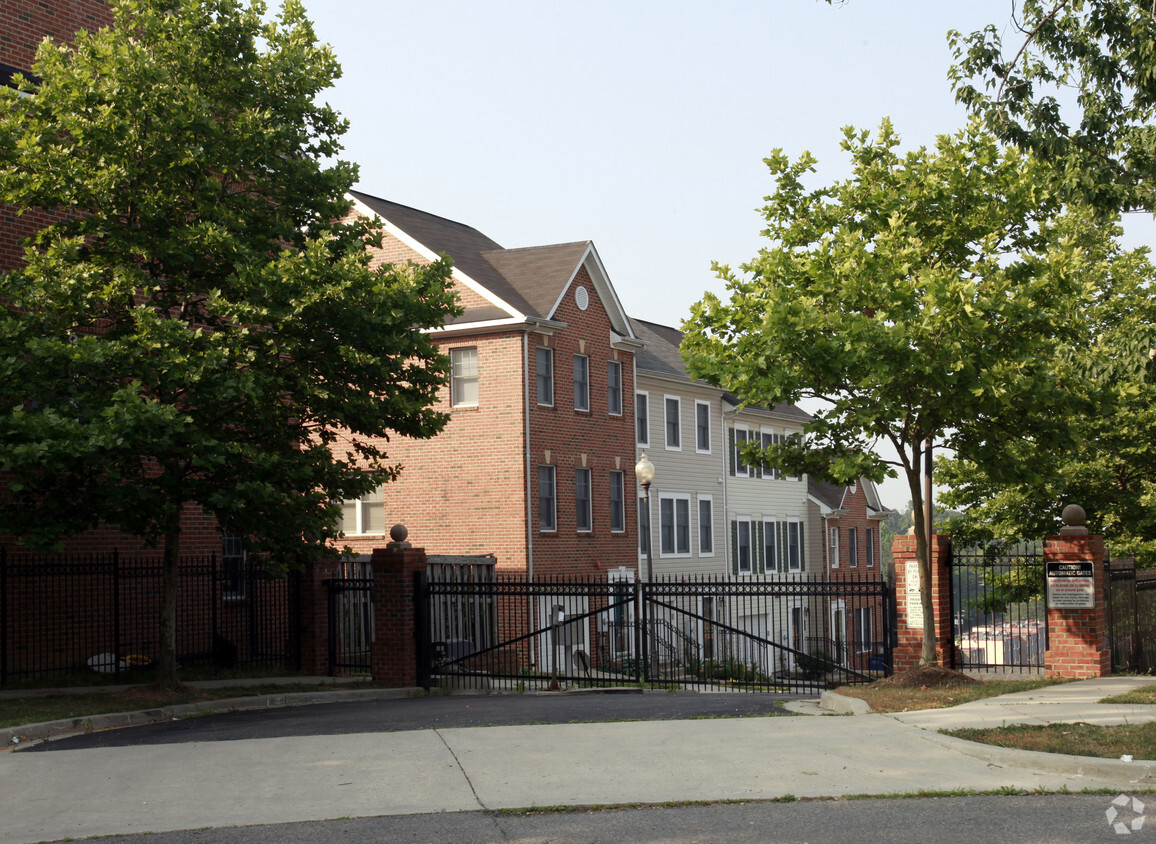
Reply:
x=923 y=558
x=166 y=676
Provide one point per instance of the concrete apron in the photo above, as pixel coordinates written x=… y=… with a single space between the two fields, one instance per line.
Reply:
x=81 y=793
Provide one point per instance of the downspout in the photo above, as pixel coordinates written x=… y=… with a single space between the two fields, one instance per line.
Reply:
x=526 y=438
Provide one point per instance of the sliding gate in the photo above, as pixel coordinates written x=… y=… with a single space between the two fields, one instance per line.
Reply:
x=796 y=635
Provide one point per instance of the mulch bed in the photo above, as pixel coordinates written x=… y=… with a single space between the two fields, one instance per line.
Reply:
x=926 y=677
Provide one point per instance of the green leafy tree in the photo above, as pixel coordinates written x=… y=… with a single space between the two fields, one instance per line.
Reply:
x=1110 y=467
x=1076 y=85
x=922 y=301
x=198 y=328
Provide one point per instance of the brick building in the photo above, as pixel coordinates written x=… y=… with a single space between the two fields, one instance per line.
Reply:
x=536 y=461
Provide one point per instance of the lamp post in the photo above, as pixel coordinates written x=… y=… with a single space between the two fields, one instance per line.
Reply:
x=644 y=471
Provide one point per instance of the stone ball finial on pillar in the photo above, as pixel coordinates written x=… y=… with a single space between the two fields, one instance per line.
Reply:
x=398 y=533
x=1074 y=518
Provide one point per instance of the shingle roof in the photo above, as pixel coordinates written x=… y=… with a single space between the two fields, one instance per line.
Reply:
x=661 y=354
x=539 y=273
x=829 y=494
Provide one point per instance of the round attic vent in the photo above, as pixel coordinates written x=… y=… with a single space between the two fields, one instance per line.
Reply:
x=581 y=298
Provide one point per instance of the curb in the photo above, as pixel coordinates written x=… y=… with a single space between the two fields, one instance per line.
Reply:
x=12 y=738
x=1141 y=772
x=832 y=701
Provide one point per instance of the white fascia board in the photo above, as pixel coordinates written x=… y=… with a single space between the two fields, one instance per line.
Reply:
x=606 y=291
x=430 y=255
x=625 y=344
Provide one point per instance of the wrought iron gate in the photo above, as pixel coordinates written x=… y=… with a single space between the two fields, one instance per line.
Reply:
x=999 y=613
x=1131 y=616
x=773 y=636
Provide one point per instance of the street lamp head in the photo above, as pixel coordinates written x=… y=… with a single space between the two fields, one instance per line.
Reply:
x=644 y=470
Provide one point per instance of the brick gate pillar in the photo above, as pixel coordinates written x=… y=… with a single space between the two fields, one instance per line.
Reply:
x=1077 y=637
x=314 y=618
x=909 y=610
x=394 y=657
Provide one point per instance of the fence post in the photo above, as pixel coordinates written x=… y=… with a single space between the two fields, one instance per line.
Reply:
x=1077 y=633
x=422 y=629
x=394 y=659
x=909 y=611
x=639 y=626
x=116 y=649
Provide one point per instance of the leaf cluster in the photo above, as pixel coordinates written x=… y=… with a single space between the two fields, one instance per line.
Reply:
x=200 y=323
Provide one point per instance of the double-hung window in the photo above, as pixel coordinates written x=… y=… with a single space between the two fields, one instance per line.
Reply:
x=547 y=499
x=614 y=387
x=794 y=546
x=853 y=547
x=771 y=544
x=364 y=515
x=617 y=503
x=545 y=376
x=582 y=515
x=833 y=549
x=581 y=382
x=673 y=406
x=674 y=525
x=642 y=418
x=464 y=378
x=702 y=427
x=741 y=437
x=766 y=439
x=232 y=566
x=743 y=546
x=705 y=525
x=869 y=546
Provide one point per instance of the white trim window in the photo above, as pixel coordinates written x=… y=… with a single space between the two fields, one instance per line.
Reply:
x=581 y=382
x=863 y=640
x=767 y=438
x=547 y=499
x=744 y=549
x=671 y=410
x=742 y=434
x=869 y=546
x=674 y=525
x=794 y=545
x=771 y=552
x=545 y=374
x=705 y=526
x=582 y=504
x=853 y=547
x=833 y=550
x=642 y=418
x=365 y=515
x=702 y=427
x=464 y=378
x=614 y=387
x=617 y=502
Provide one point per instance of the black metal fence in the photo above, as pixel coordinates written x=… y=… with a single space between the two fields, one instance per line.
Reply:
x=790 y=635
x=999 y=612
x=1131 y=616
x=351 y=626
x=100 y=613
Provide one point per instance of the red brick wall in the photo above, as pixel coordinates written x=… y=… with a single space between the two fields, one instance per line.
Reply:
x=606 y=443
x=908 y=652
x=855 y=503
x=1078 y=639
x=25 y=23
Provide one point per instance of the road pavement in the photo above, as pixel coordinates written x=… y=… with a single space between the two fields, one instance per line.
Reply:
x=215 y=775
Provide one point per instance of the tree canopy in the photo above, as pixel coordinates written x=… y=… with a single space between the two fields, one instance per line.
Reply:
x=201 y=324
x=923 y=300
x=1074 y=83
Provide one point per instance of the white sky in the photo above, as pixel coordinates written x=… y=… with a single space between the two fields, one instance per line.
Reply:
x=641 y=126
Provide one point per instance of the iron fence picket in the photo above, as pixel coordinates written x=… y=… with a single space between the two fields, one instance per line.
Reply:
x=67 y=613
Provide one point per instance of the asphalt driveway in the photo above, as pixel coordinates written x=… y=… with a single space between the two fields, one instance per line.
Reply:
x=423 y=713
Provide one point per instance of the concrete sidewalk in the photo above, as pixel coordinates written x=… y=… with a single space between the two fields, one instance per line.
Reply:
x=102 y=791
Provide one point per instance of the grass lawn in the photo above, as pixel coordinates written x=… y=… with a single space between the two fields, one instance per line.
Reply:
x=883 y=698
x=1135 y=740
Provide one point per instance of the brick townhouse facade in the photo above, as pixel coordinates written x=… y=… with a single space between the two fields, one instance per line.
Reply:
x=536 y=464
